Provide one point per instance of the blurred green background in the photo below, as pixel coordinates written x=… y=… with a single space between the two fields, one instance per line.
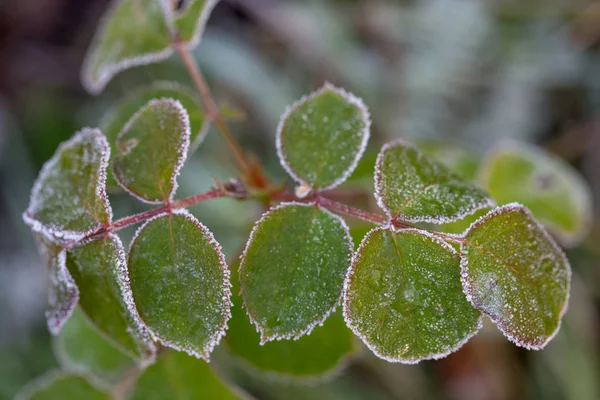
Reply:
x=466 y=72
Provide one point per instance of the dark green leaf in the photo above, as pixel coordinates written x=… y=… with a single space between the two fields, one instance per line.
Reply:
x=292 y=269
x=416 y=188
x=151 y=149
x=99 y=270
x=81 y=348
x=404 y=299
x=178 y=376
x=554 y=192
x=131 y=33
x=59 y=386
x=114 y=121
x=68 y=200
x=321 y=137
x=515 y=273
x=192 y=18
x=180 y=283
x=63 y=293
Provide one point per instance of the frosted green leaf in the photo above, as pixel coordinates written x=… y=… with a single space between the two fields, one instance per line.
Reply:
x=131 y=33
x=293 y=268
x=68 y=200
x=81 y=348
x=554 y=192
x=180 y=283
x=60 y=385
x=416 y=188
x=176 y=375
x=98 y=267
x=314 y=356
x=457 y=158
x=321 y=137
x=114 y=121
x=63 y=293
x=151 y=149
x=403 y=297
x=516 y=274
x=191 y=20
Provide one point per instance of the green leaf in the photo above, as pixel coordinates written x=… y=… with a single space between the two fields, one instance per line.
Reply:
x=457 y=158
x=321 y=137
x=516 y=274
x=59 y=385
x=114 y=121
x=81 y=348
x=63 y=293
x=98 y=267
x=68 y=200
x=554 y=192
x=292 y=269
x=191 y=20
x=404 y=299
x=414 y=187
x=320 y=354
x=180 y=283
x=131 y=33
x=178 y=376
x=151 y=149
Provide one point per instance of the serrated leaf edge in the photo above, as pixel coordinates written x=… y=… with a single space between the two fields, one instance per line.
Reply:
x=264 y=338
x=366 y=132
x=52 y=232
x=184 y=123
x=227 y=303
x=467 y=286
x=486 y=203
x=346 y=299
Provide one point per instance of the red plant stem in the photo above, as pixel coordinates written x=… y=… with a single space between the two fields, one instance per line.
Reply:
x=355 y=212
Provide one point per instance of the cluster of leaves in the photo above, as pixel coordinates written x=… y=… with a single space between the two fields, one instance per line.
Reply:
x=408 y=292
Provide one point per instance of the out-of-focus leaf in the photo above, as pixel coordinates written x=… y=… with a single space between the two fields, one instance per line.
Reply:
x=458 y=159
x=404 y=299
x=515 y=273
x=416 y=188
x=292 y=269
x=81 y=348
x=131 y=33
x=68 y=200
x=58 y=386
x=99 y=269
x=554 y=192
x=151 y=149
x=321 y=137
x=180 y=283
x=176 y=375
x=114 y=121
x=191 y=20
x=63 y=293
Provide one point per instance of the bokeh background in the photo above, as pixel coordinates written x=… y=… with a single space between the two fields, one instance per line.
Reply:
x=465 y=72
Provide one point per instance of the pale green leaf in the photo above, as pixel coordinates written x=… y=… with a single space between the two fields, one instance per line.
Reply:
x=81 y=348
x=292 y=269
x=63 y=293
x=321 y=137
x=413 y=187
x=59 y=386
x=404 y=299
x=191 y=20
x=180 y=283
x=554 y=191
x=457 y=158
x=515 y=273
x=176 y=375
x=98 y=267
x=151 y=149
x=68 y=200
x=114 y=121
x=131 y=33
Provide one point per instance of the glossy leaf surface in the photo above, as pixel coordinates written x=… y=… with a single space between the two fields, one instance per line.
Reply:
x=404 y=299
x=515 y=273
x=293 y=268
